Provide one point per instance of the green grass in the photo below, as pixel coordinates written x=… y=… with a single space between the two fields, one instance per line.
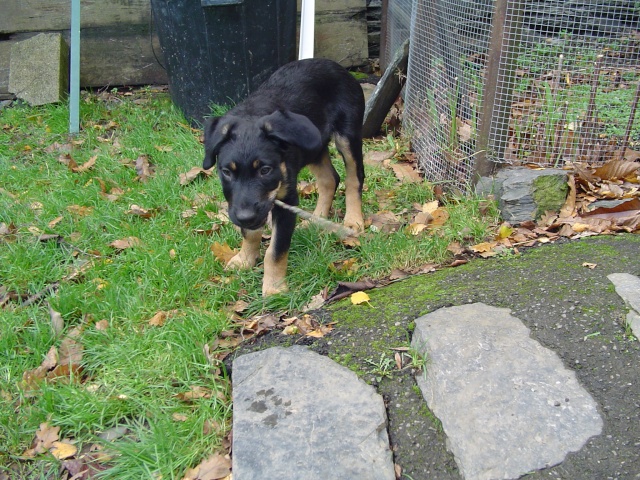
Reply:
x=133 y=374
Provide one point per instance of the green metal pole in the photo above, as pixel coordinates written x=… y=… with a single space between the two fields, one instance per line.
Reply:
x=74 y=86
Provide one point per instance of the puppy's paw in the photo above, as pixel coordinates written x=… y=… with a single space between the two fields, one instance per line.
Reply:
x=355 y=222
x=241 y=262
x=274 y=288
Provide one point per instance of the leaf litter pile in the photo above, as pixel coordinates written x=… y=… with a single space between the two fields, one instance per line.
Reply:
x=131 y=218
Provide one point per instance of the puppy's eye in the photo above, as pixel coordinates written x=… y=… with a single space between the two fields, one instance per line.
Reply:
x=265 y=170
x=226 y=172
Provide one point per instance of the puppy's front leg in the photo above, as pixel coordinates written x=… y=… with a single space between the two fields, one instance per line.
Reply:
x=277 y=255
x=248 y=255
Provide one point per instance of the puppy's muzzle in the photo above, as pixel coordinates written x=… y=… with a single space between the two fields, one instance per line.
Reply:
x=251 y=218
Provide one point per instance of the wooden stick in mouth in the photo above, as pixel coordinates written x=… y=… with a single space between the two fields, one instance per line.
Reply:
x=340 y=230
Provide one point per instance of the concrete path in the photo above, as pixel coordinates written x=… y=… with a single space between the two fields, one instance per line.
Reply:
x=507 y=404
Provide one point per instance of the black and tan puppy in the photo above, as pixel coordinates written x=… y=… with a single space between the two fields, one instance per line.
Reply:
x=261 y=145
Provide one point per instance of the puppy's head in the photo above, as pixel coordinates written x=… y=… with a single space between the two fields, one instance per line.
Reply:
x=250 y=155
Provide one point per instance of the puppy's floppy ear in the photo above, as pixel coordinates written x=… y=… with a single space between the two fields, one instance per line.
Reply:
x=216 y=131
x=292 y=128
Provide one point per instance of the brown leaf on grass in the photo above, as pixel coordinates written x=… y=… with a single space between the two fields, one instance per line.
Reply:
x=55 y=221
x=222 y=252
x=79 y=211
x=376 y=157
x=195 y=392
x=67 y=159
x=102 y=325
x=46 y=436
x=70 y=355
x=158 y=319
x=440 y=217
x=215 y=467
x=456 y=248
x=193 y=174
x=31 y=378
x=62 y=450
x=406 y=172
x=416 y=228
x=350 y=242
x=59 y=147
x=306 y=189
x=85 y=166
x=57 y=322
x=347 y=266
x=138 y=211
x=240 y=306
x=144 y=169
x=316 y=301
x=385 y=222
x=125 y=243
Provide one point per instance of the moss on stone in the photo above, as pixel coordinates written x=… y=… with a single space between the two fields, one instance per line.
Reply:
x=549 y=193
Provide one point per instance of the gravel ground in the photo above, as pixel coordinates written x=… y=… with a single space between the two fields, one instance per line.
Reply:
x=569 y=308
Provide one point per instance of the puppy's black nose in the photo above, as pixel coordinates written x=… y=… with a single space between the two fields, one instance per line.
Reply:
x=247 y=217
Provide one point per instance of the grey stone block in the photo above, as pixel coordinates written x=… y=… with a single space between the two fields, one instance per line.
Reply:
x=297 y=414
x=628 y=287
x=524 y=194
x=39 y=69
x=507 y=404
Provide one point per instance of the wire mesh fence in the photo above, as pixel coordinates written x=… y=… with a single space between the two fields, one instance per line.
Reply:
x=519 y=82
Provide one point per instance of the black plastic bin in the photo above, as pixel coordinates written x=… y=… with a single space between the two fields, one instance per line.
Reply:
x=218 y=51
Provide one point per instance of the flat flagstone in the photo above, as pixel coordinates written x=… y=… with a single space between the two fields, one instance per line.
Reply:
x=628 y=287
x=298 y=414
x=507 y=404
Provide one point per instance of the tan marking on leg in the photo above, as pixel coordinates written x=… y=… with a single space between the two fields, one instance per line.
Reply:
x=248 y=255
x=275 y=272
x=325 y=181
x=275 y=269
x=353 y=216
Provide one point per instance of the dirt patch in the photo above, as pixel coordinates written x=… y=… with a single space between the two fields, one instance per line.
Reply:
x=569 y=308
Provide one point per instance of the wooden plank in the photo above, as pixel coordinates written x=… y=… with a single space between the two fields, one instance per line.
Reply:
x=46 y=15
x=386 y=92
x=108 y=56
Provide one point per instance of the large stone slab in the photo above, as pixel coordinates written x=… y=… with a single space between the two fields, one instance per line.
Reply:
x=524 y=194
x=628 y=287
x=507 y=404
x=39 y=69
x=297 y=414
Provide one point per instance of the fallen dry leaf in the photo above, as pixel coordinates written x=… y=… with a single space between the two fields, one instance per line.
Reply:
x=79 y=211
x=144 y=169
x=141 y=212
x=405 y=172
x=102 y=325
x=85 y=166
x=158 y=319
x=215 y=467
x=57 y=322
x=222 y=252
x=62 y=450
x=616 y=169
x=195 y=172
x=125 y=243
x=358 y=298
